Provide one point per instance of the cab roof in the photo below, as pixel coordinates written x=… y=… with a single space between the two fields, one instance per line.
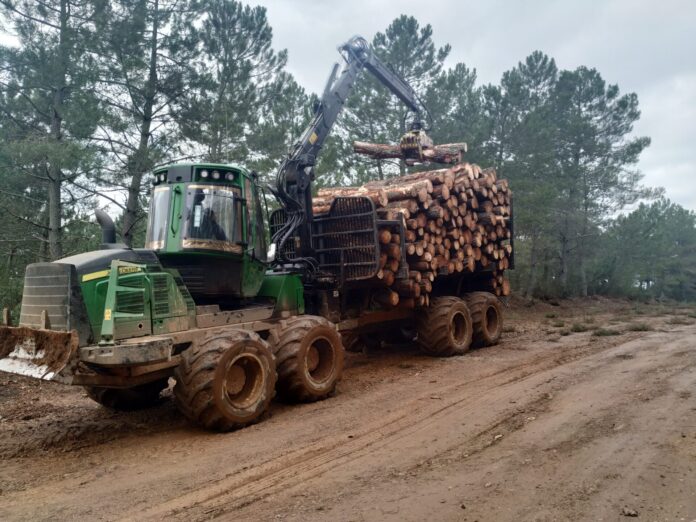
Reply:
x=181 y=172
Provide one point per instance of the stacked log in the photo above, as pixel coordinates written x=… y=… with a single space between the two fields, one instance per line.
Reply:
x=448 y=153
x=453 y=220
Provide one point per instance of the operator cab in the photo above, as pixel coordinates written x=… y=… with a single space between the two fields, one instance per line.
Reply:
x=206 y=221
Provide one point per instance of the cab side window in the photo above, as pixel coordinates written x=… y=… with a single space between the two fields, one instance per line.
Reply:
x=255 y=228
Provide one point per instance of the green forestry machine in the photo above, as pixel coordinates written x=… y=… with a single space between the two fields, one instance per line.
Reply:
x=207 y=303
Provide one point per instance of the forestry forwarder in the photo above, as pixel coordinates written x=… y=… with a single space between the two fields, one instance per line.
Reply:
x=200 y=302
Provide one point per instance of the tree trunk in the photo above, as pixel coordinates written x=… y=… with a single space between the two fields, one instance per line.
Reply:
x=55 y=175
x=583 y=276
x=563 y=254
x=55 y=231
x=531 y=282
x=139 y=162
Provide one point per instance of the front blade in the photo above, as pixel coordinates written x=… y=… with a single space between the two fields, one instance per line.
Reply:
x=42 y=354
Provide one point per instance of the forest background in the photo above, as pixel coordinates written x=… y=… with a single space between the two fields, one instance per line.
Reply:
x=97 y=93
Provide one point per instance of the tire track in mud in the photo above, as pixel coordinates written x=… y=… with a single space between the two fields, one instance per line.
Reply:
x=241 y=488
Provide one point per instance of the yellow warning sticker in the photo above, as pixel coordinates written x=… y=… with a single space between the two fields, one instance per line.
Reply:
x=313 y=138
x=95 y=275
x=107 y=314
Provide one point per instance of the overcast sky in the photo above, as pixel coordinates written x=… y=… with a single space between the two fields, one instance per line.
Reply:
x=645 y=47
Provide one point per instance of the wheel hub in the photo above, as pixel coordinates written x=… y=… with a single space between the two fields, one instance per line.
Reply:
x=320 y=360
x=243 y=380
x=236 y=378
x=459 y=327
x=312 y=358
x=491 y=318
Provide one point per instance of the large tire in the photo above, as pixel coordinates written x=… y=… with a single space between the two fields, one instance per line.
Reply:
x=128 y=399
x=444 y=328
x=310 y=358
x=226 y=381
x=487 y=318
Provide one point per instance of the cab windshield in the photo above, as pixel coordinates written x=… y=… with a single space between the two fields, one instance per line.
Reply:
x=157 y=225
x=214 y=218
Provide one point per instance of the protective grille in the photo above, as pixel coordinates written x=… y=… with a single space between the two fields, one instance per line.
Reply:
x=345 y=239
x=47 y=287
x=160 y=294
x=130 y=301
x=190 y=304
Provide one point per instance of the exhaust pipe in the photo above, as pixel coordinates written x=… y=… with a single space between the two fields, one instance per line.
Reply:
x=107 y=226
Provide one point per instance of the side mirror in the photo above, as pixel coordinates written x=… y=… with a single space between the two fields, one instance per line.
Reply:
x=270 y=257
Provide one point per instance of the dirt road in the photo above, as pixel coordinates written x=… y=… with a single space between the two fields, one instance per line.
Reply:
x=552 y=424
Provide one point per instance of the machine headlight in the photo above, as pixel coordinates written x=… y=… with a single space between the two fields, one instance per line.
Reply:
x=216 y=174
x=229 y=176
x=162 y=177
x=204 y=173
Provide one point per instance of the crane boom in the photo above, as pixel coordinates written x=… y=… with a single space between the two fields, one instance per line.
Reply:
x=293 y=184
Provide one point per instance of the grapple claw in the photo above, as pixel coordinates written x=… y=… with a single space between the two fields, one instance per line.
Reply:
x=413 y=143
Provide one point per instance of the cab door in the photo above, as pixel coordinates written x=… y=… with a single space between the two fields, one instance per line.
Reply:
x=255 y=261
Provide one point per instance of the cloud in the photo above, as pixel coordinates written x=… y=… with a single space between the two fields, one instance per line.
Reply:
x=644 y=47
x=669 y=118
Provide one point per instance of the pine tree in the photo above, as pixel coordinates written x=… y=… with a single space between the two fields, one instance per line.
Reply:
x=594 y=156
x=284 y=115
x=48 y=94
x=530 y=156
x=236 y=68
x=145 y=52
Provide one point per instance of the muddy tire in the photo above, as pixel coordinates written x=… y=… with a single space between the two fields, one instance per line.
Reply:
x=128 y=399
x=310 y=359
x=226 y=381
x=445 y=328
x=487 y=317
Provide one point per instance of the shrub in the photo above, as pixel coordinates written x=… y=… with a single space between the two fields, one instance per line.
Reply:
x=639 y=327
x=605 y=332
x=679 y=320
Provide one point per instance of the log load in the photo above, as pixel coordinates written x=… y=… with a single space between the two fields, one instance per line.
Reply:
x=453 y=220
x=448 y=153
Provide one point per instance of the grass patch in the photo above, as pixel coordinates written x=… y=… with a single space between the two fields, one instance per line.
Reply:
x=605 y=332
x=589 y=320
x=557 y=323
x=679 y=320
x=550 y=315
x=659 y=311
x=578 y=328
x=692 y=315
x=564 y=332
x=639 y=327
